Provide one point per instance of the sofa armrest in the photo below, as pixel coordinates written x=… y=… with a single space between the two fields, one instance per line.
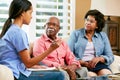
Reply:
x=115 y=66
x=6 y=73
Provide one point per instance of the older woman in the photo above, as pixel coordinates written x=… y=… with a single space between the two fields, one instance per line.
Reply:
x=91 y=46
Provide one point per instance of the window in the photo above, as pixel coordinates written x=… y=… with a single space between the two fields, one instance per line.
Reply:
x=43 y=9
x=3 y=12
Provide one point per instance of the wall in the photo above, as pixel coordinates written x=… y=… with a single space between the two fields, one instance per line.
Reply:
x=82 y=6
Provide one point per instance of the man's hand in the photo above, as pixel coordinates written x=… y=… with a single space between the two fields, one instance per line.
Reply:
x=71 y=70
x=56 y=44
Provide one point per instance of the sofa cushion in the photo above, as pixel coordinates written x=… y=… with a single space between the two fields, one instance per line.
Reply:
x=115 y=66
x=5 y=73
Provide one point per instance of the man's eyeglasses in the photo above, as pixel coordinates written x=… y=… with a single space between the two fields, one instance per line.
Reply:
x=53 y=24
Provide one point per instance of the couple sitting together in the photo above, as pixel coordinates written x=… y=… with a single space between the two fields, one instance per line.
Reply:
x=88 y=47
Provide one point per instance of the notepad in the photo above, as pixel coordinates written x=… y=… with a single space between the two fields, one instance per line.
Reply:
x=42 y=69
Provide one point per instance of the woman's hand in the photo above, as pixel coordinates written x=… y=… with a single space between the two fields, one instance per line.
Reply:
x=93 y=62
x=83 y=63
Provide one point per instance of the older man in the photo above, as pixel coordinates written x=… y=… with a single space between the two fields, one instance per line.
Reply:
x=62 y=56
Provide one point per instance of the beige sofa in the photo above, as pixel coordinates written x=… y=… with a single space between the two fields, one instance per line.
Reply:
x=115 y=66
x=5 y=73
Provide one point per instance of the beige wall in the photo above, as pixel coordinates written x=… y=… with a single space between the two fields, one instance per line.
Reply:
x=82 y=6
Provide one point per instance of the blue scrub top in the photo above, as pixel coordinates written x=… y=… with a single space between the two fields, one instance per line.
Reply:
x=14 y=41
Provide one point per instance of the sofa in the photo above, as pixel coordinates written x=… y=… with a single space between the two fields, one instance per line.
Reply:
x=5 y=73
x=115 y=66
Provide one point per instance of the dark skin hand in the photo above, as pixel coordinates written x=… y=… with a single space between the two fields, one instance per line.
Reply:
x=71 y=70
x=91 y=64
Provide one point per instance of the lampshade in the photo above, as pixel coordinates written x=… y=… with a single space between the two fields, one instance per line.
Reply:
x=107 y=7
